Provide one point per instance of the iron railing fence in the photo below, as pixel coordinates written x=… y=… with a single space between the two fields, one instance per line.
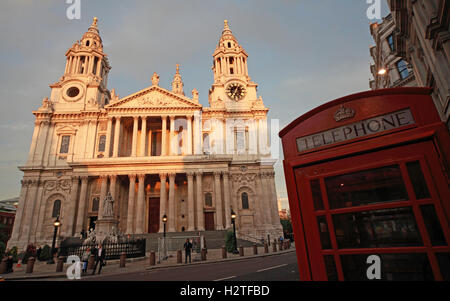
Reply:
x=132 y=249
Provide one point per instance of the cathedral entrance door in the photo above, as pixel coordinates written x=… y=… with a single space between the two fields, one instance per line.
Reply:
x=153 y=215
x=209 y=221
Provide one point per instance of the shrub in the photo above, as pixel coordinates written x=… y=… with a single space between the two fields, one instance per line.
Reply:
x=229 y=238
x=45 y=253
x=30 y=252
x=14 y=253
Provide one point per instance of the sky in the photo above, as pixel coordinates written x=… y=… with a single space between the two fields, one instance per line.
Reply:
x=302 y=53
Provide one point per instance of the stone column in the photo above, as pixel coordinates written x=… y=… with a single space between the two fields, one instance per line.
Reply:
x=191 y=217
x=164 y=136
x=131 y=194
x=108 y=138
x=274 y=201
x=266 y=200
x=116 y=138
x=29 y=208
x=82 y=205
x=171 y=138
x=218 y=199
x=172 y=215
x=200 y=214
x=19 y=213
x=226 y=194
x=162 y=201
x=37 y=213
x=135 y=132
x=189 y=135
x=70 y=207
x=142 y=152
x=103 y=191
x=197 y=135
x=259 y=203
x=34 y=141
x=140 y=205
x=40 y=144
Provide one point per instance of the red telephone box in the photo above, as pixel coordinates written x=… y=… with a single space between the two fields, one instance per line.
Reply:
x=367 y=174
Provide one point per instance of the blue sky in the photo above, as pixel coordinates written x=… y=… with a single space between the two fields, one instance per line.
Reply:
x=301 y=53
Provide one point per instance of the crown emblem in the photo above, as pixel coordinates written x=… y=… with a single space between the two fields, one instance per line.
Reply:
x=344 y=113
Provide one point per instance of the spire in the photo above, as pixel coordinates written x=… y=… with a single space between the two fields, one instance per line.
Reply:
x=177 y=83
x=227 y=35
x=92 y=38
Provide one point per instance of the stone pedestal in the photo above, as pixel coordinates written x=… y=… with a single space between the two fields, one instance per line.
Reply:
x=104 y=227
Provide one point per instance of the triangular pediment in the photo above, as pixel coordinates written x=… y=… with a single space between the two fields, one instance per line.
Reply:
x=154 y=97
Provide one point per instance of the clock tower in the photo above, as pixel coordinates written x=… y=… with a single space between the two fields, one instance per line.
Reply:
x=232 y=88
x=84 y=83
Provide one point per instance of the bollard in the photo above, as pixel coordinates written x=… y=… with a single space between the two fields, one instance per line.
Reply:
x=224 y=252
x=266 y=248
x=274 y=247
x=30 y=265
x=179 y=257
x=241 y=251
x=91 y=262
x=255 y=250
x=203 y=254
x=152 y=258
x=60 y=264
x=123 y=259
x=3 y=265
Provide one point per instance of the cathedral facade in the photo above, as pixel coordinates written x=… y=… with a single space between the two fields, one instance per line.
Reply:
x=157 y=152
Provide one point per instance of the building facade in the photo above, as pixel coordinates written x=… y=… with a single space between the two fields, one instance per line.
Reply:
x=389 y=70
x=422 y=38
x=7 y=214
x=157 y=152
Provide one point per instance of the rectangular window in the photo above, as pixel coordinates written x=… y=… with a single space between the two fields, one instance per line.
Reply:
x=417 y=180
x=360 y=188
x=317 y=195
x=102 y=143
x=65 y=142
x=395 y=227
x=324 y=233
x=399 y=267
x=390 y=40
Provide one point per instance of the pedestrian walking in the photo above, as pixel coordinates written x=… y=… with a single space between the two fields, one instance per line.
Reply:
x=187 y=250
x=85 y=260
x=100 y=255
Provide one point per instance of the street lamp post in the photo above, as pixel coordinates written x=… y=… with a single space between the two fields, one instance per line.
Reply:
x=164 y=219
x=56 y=224
x=233 y=221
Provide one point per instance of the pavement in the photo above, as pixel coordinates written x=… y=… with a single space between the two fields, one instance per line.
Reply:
x=44 y=271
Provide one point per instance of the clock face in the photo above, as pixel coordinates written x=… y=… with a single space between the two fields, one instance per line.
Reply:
x=235 y=91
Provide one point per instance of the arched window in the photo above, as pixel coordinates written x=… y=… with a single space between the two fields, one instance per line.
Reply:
x=244 y=198
x=208 y=199
x=95 y=203
x=56 y=208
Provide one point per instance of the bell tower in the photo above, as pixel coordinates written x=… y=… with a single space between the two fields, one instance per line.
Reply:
x=84 y=83
x=232 y=86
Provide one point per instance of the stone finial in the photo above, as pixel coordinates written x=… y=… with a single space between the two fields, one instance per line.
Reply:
x=94 y=22
x=195 y=95
x=155 y=79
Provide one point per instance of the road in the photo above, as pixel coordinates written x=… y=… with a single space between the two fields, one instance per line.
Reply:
x=281 y=267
